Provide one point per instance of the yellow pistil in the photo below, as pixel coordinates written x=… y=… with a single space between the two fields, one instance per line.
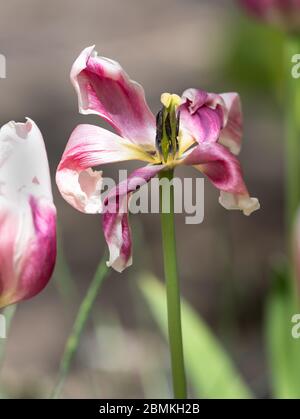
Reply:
x=169 y=100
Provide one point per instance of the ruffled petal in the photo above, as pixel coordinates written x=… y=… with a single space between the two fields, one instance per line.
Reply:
x=115 y=218
x=245 y=203
x=27 y=213
x=224 y=171
x=91 y=146
x=231 y=134
x=202 y=114
x=105 y=89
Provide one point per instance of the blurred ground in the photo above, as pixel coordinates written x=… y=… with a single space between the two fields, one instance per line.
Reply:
x=166 y=46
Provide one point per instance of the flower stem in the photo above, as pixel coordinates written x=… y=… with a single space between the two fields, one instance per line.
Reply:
x=292 y=100
x=79 y=324
x=172 y=286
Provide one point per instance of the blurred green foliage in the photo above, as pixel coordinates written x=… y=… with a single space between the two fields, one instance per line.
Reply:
x=209 y=368
x=283 y=350
x=254 y=61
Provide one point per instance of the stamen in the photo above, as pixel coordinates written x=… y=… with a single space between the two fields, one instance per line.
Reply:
x=167 y=127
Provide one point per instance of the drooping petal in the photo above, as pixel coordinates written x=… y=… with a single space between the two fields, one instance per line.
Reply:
x=231 y=134
x=104 y=88
x=202 y=114
x=27 y=213
x=115 y=218
x=245 y=203
x=91 y=146
x=224 y=171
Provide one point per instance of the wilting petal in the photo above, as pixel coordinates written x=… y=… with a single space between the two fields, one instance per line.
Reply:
x=91 y=146
x=224 y=171
x=27 y=213
x=115 y=219
x=245 y=203
x=231 y=134
x=105 y=89
x=202 y=114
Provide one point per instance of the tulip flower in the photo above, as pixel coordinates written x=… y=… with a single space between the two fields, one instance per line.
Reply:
x=199 y=129
x=27 y=213
x=283 y=13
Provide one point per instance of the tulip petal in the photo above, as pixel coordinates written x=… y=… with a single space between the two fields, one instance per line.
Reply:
x=91 y=146
x=202 y=115
x=231 y=134
x=115 y=218
x=105 y=89
x=242 y=202
x=27 y=213
x=224 y=171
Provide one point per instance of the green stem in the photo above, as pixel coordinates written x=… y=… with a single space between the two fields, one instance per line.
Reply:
x=79 y=324
x=172 y=286
x=292 y=104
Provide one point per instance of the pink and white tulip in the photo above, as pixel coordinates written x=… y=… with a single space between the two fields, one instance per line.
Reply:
x=283 y=13
x=27 y=213
x=208 y=138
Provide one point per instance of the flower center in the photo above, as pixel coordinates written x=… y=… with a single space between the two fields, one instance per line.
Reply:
x=167 y=128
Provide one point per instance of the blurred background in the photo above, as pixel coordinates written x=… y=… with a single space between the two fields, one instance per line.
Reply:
x=224 y=262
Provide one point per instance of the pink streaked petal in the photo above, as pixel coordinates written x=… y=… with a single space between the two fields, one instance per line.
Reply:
x=37 y=263
x=115 y=218
x=39 y=260
x=27 y=213
x=224 y=171
x=104 y=88
x=197 y=98
x=27 y=250
x=219 y=165
x=91 y=146
x=202 y=114
x=231 y=134
x=8 y=233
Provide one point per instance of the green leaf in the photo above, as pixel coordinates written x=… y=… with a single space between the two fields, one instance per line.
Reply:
x=282 y=349
x=210 y=370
